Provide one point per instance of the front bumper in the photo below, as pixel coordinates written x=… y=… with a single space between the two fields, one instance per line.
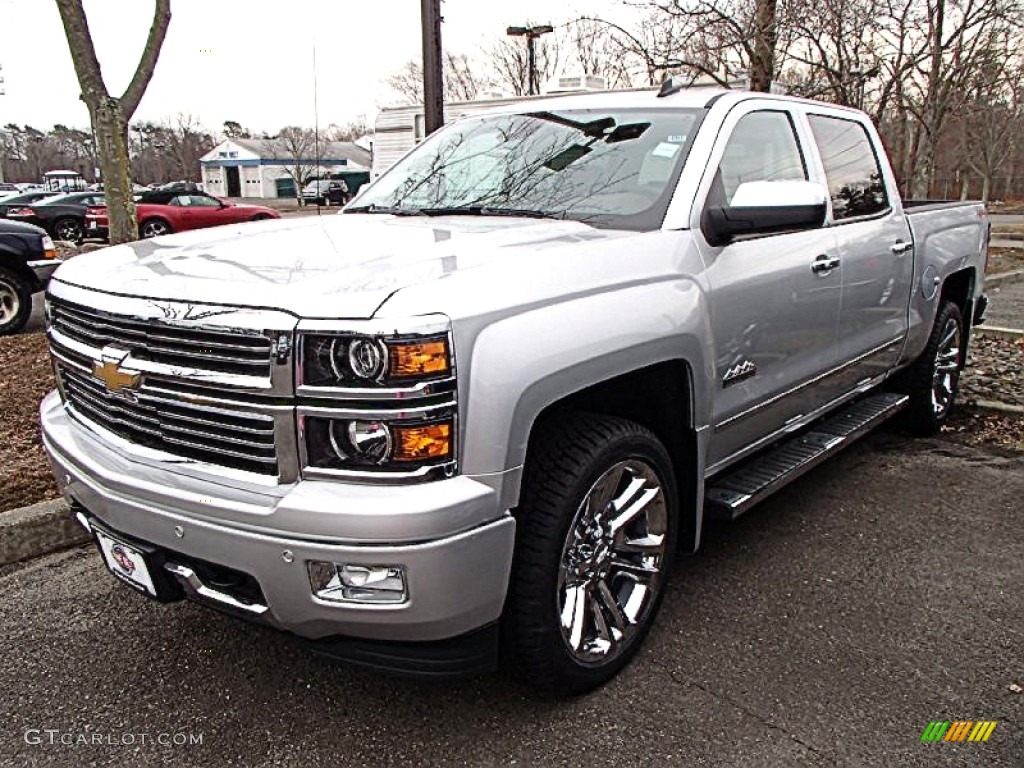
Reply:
x=44 y=268
x=94 y=231
x=456 y=581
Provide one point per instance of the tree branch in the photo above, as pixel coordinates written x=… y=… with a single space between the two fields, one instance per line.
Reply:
x=147 y=62
x=87 y=66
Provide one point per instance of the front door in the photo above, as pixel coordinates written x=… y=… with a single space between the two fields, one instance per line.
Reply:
x=773 y=318
x=874 y=247
x=234 y=182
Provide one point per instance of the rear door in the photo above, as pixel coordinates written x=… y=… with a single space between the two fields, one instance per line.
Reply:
x=873 y=241
x=773 y=318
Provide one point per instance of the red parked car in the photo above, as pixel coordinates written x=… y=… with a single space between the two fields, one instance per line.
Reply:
x=163 y=213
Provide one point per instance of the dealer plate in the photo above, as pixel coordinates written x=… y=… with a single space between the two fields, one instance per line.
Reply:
x=126 y=562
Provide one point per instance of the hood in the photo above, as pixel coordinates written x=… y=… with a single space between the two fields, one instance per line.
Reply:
x=339 y=266
x=9 y=227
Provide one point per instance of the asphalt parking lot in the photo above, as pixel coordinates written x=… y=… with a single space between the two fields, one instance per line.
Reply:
x=827 y=627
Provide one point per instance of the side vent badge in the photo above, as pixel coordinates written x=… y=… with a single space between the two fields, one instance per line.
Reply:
x=740 y=371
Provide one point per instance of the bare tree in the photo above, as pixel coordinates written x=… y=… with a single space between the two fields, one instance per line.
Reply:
x=461 y=83
x=110 y=115
x=349 y=131
x=186 y=143
x=300 y=146
x=509 y=61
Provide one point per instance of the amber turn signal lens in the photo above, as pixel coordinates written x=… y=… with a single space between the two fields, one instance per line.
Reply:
x=422 y=359
x=432 y=441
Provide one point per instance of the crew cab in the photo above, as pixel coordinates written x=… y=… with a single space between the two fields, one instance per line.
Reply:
x=483 y=407
x=164 y=212
x=28 y=258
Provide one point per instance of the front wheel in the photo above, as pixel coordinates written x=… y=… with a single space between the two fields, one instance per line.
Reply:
x=15 y=302
x=154 y=228
x=595 y=536
x=69 y=230
x=932 y=381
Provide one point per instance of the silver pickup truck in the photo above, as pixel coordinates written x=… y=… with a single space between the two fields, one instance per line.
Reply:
x=474 y=415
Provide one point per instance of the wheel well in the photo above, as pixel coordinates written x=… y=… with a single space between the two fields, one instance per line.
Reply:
x=21 y=271
x=657 y=397
x=161 y=219
x=958 y=288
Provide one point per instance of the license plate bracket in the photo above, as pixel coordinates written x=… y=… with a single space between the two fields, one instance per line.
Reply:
x=137 y=564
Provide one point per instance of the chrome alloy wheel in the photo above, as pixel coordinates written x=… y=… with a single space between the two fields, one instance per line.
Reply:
x=10 y=303
x=947 y=367
x=611 y=568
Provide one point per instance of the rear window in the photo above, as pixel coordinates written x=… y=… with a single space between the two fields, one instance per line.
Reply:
x=851 y=167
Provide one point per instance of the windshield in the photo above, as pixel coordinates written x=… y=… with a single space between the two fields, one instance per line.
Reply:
x=610 y=169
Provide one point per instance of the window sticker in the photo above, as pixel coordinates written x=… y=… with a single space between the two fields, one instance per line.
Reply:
x=677 y=138
x=665 y=149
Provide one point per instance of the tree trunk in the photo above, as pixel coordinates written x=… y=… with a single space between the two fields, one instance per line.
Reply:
x=986 y=186
x=762 y=65
x=112 y=136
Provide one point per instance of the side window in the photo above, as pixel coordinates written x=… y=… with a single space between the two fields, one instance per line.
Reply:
x=851 y=167
x=763 y=147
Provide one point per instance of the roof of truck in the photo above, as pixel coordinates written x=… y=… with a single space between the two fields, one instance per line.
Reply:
x=686 y=98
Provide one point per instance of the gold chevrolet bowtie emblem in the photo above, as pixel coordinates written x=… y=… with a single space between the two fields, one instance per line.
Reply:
x=114 y=378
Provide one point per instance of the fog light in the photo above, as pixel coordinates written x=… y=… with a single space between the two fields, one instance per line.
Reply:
x=351 y=583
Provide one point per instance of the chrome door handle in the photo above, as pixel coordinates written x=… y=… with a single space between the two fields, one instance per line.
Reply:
x=901 y=246
x=823 y=265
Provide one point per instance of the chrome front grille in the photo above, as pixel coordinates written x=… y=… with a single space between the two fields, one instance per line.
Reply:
x=177 y=341
x=161 y=419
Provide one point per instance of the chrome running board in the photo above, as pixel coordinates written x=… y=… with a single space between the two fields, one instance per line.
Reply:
x=733 y=493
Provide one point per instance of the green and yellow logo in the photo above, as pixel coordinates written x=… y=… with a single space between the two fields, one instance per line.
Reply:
x=958 y=730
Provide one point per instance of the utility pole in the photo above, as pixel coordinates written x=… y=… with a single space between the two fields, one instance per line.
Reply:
x=531 y=34
x=2 y=92
x=433 y=76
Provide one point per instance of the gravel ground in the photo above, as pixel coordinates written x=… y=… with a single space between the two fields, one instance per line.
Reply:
x=995 y=371
x=25 y=376
x=1005 y=260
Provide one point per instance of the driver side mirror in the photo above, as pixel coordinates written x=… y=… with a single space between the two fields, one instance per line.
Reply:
x=763 y=208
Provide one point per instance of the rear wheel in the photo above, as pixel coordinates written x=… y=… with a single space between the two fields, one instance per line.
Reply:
x=933 y=379
x=15 y=302
x=154 y=228
x=260 y=217
x=70 y=230
x=595 y=533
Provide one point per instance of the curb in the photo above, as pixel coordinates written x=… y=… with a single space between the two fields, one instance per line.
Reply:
x=994 y=330
x=995 y=405
x=1008 y=277
x=37 y=530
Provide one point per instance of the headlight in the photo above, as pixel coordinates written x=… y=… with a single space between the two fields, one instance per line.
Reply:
x=346 y=360
x=401 y=446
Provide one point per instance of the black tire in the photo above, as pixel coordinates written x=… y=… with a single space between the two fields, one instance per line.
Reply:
x=69 y=230
x=260 y=217
x=569 y=454
x=925 y=414
x=154 y=228
x=15 y=302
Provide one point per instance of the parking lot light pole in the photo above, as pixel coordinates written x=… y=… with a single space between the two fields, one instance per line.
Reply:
x=433 y=76
x=531 y=34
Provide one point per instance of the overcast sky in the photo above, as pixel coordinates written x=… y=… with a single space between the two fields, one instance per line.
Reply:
x=246 y=60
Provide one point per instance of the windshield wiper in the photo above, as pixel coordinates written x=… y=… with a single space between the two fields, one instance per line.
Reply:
x=374 y=208
x=484 y=210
